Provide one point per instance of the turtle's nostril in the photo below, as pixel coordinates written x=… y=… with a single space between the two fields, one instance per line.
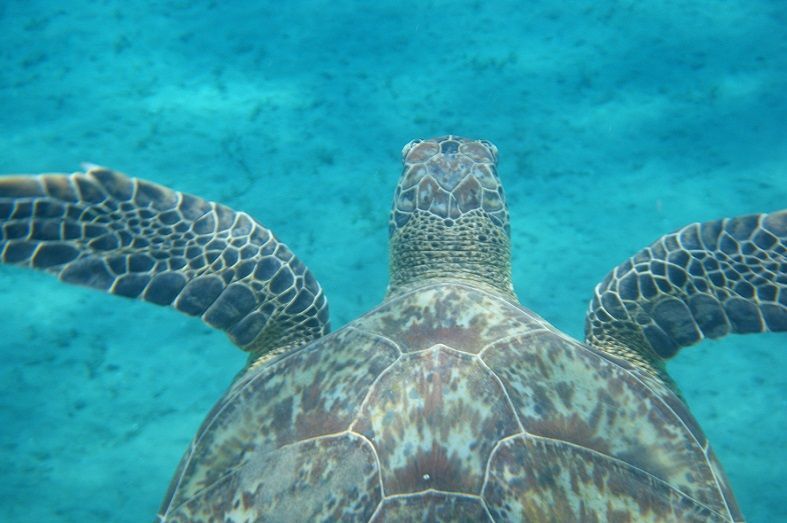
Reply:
x=449 y=147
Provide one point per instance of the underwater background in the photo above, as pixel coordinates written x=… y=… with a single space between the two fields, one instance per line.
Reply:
x=616 y=121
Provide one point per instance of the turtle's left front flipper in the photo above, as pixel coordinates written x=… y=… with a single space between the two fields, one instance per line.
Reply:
x=705 y=280
x=141 y=240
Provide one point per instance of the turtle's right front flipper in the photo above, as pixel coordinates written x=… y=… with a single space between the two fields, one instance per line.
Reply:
x=141 y=240
x=705 y=280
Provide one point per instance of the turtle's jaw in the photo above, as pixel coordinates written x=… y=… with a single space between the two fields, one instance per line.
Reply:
x=449 y=218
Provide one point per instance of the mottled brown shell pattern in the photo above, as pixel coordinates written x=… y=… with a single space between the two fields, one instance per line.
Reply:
x=447 y=403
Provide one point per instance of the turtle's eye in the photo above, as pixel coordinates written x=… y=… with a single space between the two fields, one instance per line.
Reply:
x=408 y=147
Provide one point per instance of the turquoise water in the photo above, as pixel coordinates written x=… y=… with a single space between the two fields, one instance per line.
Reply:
x=616 y=122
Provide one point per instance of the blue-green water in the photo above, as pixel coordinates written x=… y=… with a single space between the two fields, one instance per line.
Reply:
x=616 y=122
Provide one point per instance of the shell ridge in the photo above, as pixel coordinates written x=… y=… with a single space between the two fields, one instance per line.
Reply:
x=509 y=401
x=377 y=460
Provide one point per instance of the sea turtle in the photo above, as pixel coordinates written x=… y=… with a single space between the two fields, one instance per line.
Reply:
x=450 y=401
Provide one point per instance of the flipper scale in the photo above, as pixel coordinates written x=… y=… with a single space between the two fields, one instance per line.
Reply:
x=141 y=240
x=702 y=281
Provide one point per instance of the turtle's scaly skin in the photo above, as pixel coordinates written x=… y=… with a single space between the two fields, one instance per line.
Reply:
x=141 y=240
x=449 y=217
x=705 y=280
x=448 y=403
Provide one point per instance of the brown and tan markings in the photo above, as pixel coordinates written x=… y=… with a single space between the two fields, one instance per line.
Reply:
x=433 y=418
x=460 y=316
x=535 y=479
x=309 y=393
x=329 y=478
x=432 y=507
x=563 y=391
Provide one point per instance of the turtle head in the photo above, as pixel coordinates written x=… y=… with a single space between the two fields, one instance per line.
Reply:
x=449 y=217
